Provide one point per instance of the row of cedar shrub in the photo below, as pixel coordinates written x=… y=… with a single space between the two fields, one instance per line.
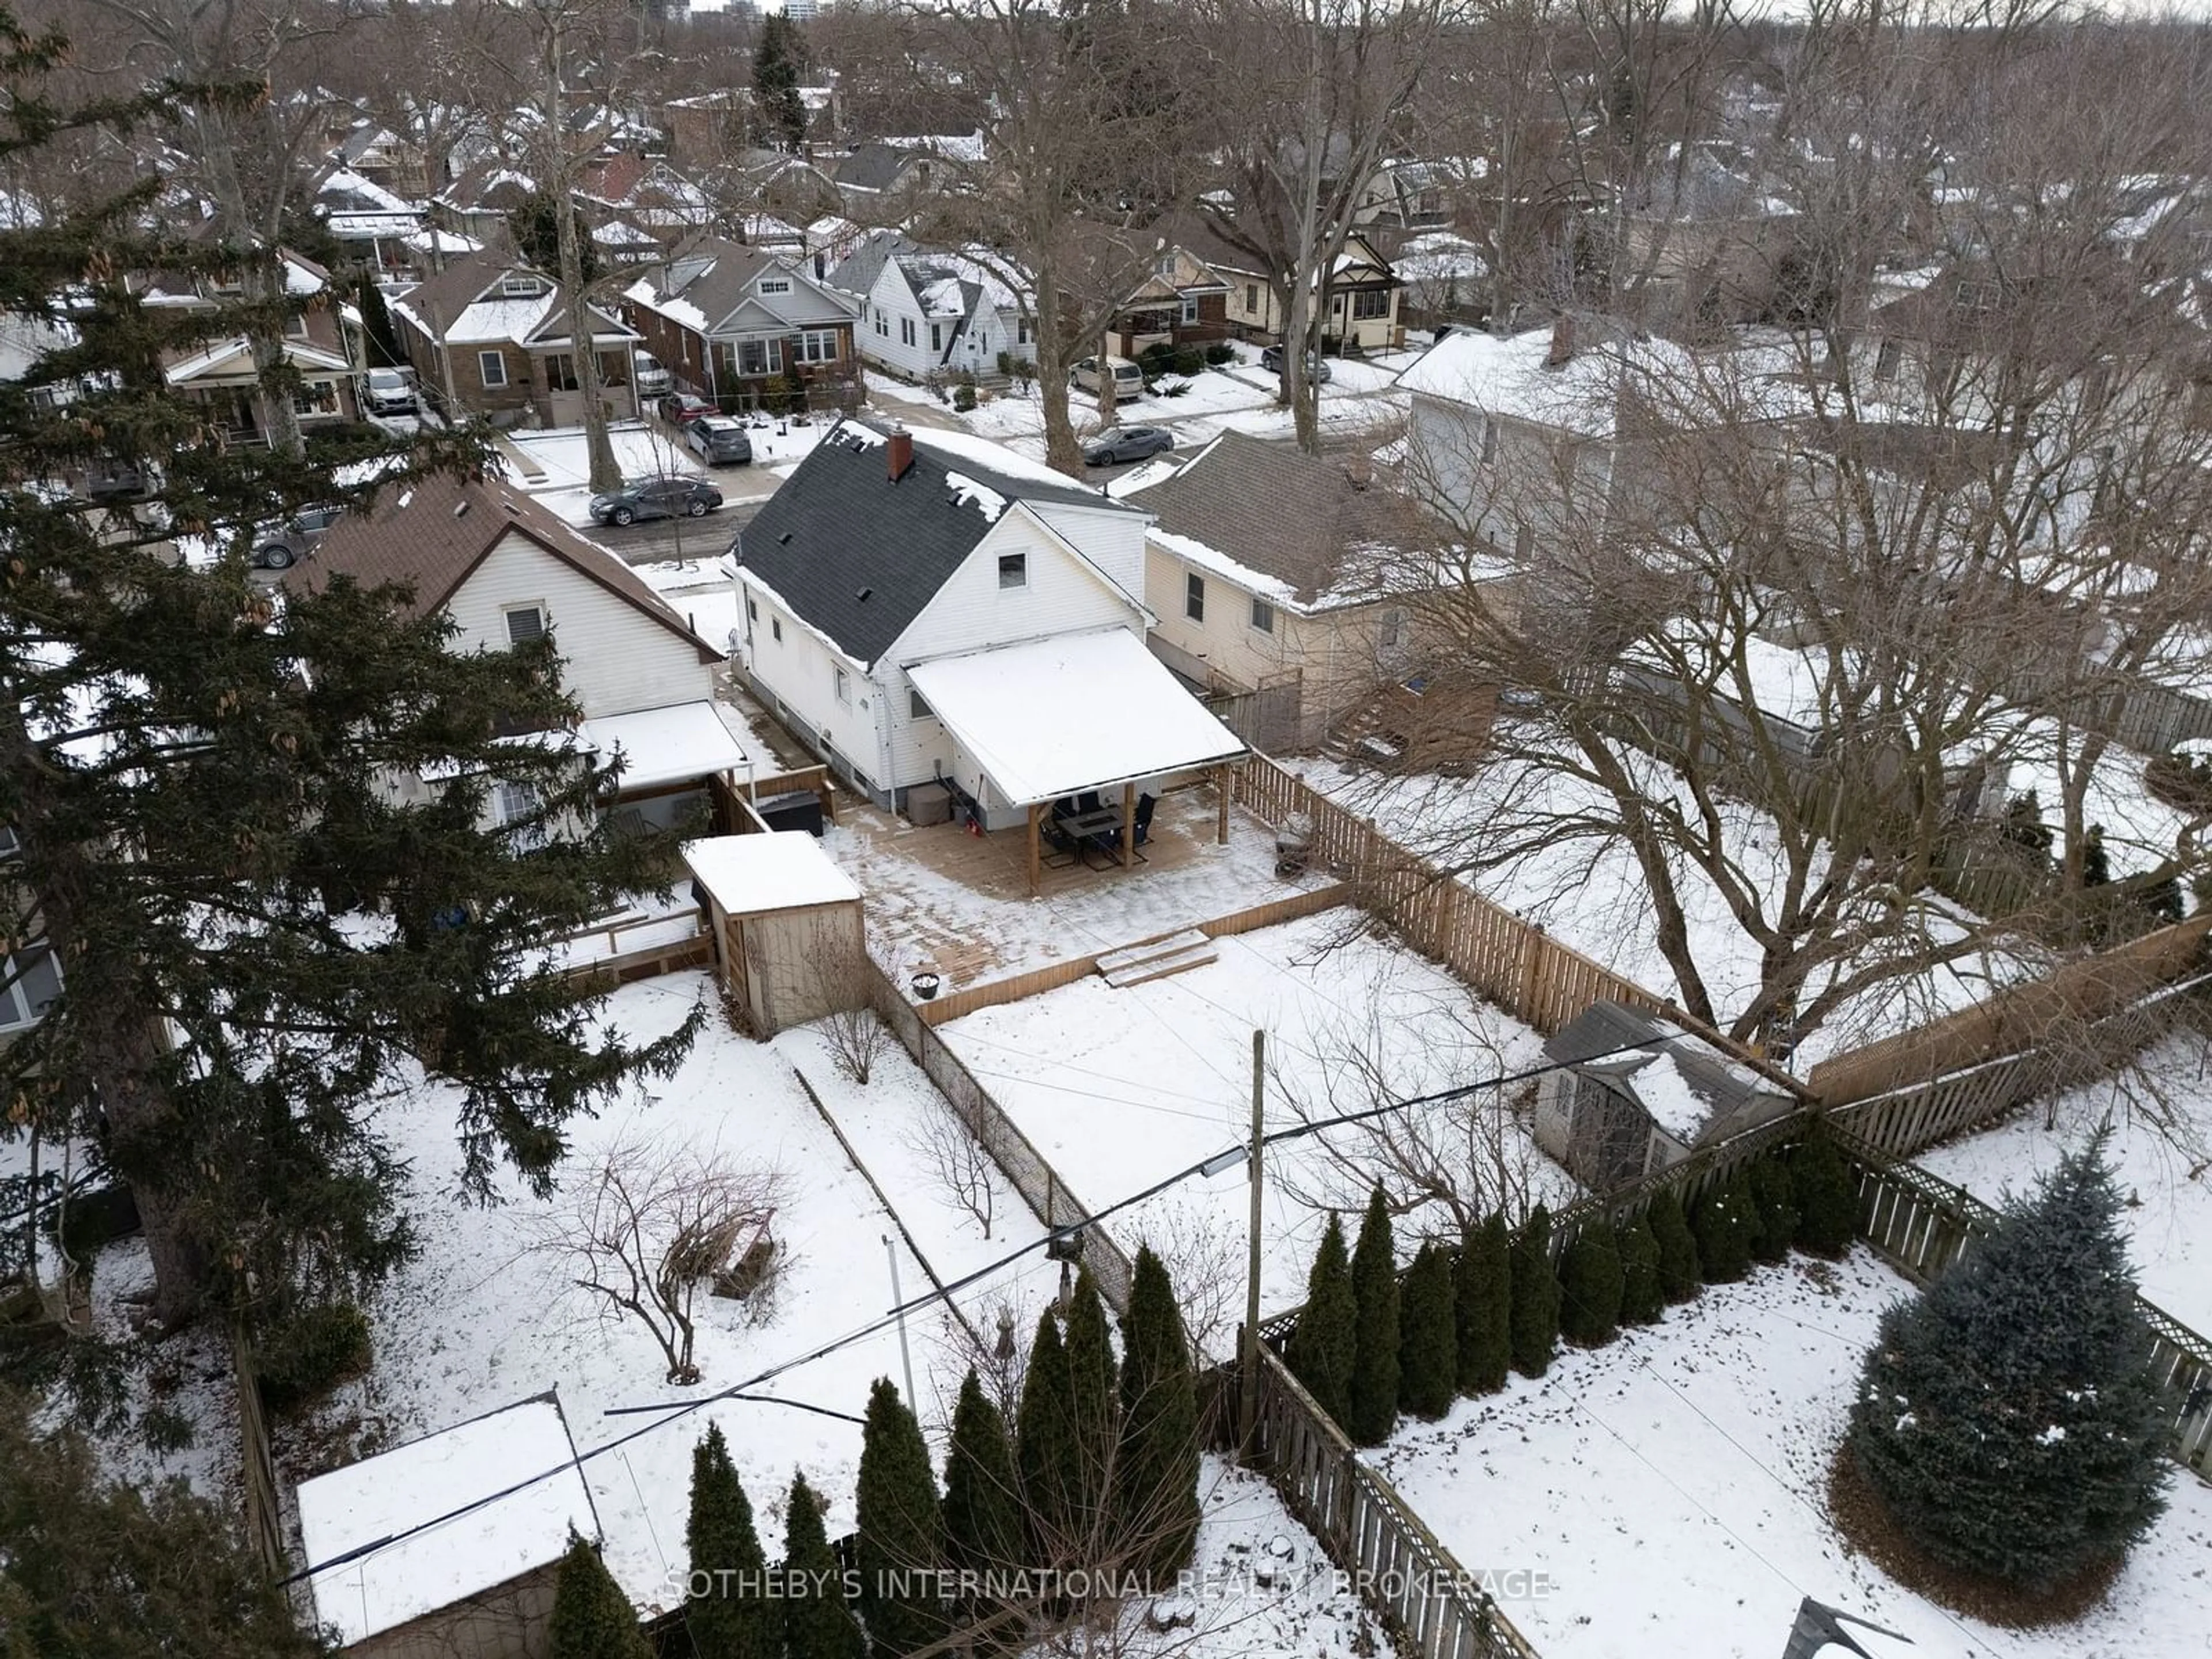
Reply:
x=1098 y=1471
x=1371 y=1343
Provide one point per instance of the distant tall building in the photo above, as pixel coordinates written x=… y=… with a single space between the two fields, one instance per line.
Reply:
x=802 y=11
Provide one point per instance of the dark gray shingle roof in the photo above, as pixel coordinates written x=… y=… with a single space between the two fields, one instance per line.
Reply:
x=1273 y=508
x=1740 y=1098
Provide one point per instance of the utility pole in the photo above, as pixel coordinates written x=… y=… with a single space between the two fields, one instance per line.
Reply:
x=1248 y=1366
x=898 y=1300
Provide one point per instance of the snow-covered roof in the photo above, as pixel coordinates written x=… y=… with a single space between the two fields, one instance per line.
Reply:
x=1675 y=1106
x=358 y=1507
x=784 y=870
x=431 y=240
x=674 y=744
x=1058 y=716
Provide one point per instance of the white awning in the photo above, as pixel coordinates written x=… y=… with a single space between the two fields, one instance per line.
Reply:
x=1059 y=716
x=679 y=744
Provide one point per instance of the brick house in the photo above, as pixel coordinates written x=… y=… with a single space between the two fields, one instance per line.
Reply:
x=1184 y=302
x=492 y=334
x=732 y=322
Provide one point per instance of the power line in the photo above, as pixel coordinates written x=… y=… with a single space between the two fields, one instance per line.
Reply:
x=676 y=1411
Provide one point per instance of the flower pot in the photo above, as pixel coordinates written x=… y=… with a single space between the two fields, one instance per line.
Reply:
x=925 y=985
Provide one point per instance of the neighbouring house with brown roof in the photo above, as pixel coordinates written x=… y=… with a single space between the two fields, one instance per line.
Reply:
x=1358 y=304
x=322 y=344
x=477 y=201
x=506 y=571
x=645 y=192
x=731 y=322
x=492 y=333
x=1184 y=302
x=1281 y=584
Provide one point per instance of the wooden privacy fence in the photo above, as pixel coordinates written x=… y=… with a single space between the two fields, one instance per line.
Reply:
x=265 y=1522
x=1920 y=1225
x=1431 y=1605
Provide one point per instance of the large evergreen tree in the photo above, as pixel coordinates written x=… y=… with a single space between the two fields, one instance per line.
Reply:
x=1328 y=1332
x=1428 y=1347
x=1156 y=1472
x=982 y=1499
x=729 y=1614
x=199 y=781
x=1047 y=1454
x=1536 y=1295
x=901 y=1527
x=591 y=1618
x=818 y=1623
x=1484 y=1313
x=1371 y=1401
x=1591 y=1281
x=778 y=59
x=2007 y=1418
x=1094 y=1409
x=93 y=1569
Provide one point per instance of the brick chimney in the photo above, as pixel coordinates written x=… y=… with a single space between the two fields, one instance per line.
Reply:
x=1563 y=341
x=902 y=453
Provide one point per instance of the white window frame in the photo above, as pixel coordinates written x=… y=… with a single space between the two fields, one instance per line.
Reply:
x=843 y=682
x=1263 y=616
x=776 y=628
x=1378 y=298
x=16 y=1013
x=817 y=345
x=775 y=285
x=1194 y=597
x=906 y=330
x=491 y=369
x=917 y=708
x=936 y=336
x=1190 y=310
x=1013 y=570
x=537 y=609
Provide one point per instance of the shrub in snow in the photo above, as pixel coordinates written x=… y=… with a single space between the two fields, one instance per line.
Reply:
x=728 y=1615
x=1371 y=1397
x=1321 y=1346
x=982 y=1511
x=1428 y=1343
x=1590 y=1287
x=1677 y=1251
x=1776 y=1201
x=1483 y=1314
x=901 y=1530
x=1536 y=1296
x=1826 y=1197
x=1156 y=1467
x=1641 y=1295
x=306 y=1356
x=592 y=1616
x=815 y=1626
x=1725 y=1222
x=2006 y=1419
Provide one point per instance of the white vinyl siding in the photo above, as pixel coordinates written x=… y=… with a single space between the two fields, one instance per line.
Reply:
x=616 y=660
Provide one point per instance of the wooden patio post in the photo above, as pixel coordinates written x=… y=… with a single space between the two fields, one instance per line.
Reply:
x=1128 y=825
x=1223 y=784
x=1036 y=873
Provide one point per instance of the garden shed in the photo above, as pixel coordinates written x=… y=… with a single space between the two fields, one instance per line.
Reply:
x=1634 y=1093
x=785 y=923
x=403 y=1582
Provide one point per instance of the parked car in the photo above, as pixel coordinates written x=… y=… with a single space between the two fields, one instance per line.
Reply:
x=279 y=546
x=1117 y=444
x=1316 y=366
x=719 y=440
x=388 y=391
x=652 y=379
x=655 y=498
x=1128 y=378
x=681 y=408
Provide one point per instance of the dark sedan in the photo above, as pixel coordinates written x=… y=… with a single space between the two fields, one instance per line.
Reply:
x=655 y=498
x=682 y=408
x=1117 y=444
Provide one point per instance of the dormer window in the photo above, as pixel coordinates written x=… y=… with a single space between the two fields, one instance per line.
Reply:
x=520 y=285
x=775 y=285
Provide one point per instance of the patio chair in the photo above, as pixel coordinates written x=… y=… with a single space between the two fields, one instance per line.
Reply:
x=1087 y=802
x=1145 y=806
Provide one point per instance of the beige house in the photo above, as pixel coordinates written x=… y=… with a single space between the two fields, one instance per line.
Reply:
x=1358 y=304
x=1280 y=587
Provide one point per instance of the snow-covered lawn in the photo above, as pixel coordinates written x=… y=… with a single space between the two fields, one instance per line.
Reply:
x=700 y=591
x=2161 y=1149
x=1119 y=1089
x=1590 y=895
x=1671 y=1487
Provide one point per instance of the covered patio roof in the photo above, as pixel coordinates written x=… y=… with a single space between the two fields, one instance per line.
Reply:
x=1065 y=716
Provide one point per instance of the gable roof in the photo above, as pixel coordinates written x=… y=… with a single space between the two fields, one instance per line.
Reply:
x=465 y=299
x=859 y=556
x=875 y=166
x=857 y=271
x=1273 y=511
x=1724 y=1098
x=711 y=279
x=430 y=536
x=490 y=186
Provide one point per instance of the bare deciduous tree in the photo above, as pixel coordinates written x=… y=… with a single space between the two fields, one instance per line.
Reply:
x=942 y=1141
x=641 y=1226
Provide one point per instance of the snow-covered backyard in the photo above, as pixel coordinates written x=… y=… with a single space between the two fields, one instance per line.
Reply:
x=1588 y=892
x=2161 y=1109
x=1120 y=1088
x=1671 y=1488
